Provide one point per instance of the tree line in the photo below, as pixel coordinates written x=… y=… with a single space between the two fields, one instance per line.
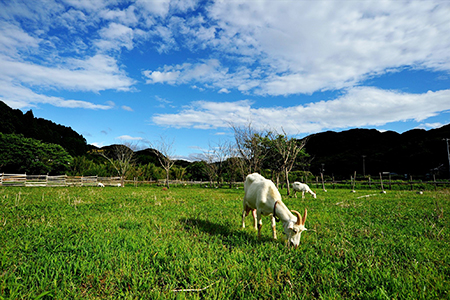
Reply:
x=273 y=154
x=268 y=152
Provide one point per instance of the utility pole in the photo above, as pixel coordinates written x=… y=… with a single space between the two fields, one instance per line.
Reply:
x=364 y=165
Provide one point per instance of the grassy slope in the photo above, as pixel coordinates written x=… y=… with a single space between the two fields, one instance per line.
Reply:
x=146 y=242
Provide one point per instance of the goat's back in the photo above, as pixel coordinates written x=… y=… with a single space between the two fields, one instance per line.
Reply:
x=259 y=191
x=300 y=186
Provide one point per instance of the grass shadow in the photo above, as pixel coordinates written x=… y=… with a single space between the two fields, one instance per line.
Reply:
x=230 y=236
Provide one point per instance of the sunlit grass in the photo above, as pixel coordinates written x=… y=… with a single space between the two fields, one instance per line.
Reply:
x=146 y=242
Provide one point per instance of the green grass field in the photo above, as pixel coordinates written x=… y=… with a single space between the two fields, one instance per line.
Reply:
x=187 y=242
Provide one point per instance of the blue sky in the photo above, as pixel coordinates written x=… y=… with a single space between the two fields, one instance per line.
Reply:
x=184 y=70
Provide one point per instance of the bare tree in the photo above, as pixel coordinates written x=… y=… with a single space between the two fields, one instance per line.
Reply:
x=214 y=158
x=288 y=150
x=249 y=144
x=121 y=158
x=207 y=156
x=165 y=153
x=233 y=164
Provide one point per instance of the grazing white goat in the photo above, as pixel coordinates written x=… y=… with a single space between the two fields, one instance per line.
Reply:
x=302 y=187
x=100 y=184
x=263 y=198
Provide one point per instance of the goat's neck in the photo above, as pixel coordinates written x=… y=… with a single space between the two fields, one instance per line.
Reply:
x=283 y=212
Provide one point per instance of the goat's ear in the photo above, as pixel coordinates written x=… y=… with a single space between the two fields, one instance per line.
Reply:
x=291 y=225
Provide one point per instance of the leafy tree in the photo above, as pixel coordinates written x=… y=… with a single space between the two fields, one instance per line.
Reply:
x=83 y=166
x=14 y=121
x=197 y=171
x=27 y=155
x=178 y=173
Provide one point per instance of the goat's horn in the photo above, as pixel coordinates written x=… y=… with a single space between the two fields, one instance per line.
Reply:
x=299 y=217
x=304 y=216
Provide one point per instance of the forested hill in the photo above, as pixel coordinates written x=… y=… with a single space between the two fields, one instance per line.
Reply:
x=14 y=121
x=415 y=152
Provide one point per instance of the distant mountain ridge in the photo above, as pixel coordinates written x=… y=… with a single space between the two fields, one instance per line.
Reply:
x=14 y=121
x=415 y=152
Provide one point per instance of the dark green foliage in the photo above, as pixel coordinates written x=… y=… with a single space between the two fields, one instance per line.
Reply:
x=197 y=171
x=27 y=155
x=146 y=156
x=14 y=121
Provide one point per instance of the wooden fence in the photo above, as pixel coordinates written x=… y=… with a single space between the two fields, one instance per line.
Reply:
x=54 y=181
x=64 y=180
x=382 y=183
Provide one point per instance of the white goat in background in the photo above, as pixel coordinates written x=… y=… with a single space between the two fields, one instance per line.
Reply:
x=302 y=187
x=263 y=198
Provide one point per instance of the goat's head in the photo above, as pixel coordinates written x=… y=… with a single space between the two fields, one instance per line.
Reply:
x=294 y=228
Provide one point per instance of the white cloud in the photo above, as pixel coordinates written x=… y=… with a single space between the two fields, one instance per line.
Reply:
x=129 y=138
x=362 y=106
x=127 y=16
x=430 y=125
x=98 y=144
x=13 y=39
x=127 y=108
x=161 y=77
x=36 y=54
x=17 y=96
x=97 y=73
x=158 y=8
x=207 y=73
x=307 y=46
x=88 y=5
x=116 y=36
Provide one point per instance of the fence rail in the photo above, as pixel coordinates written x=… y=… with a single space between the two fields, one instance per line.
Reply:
x=380 y=183
x=54 y=181
x=64 y=180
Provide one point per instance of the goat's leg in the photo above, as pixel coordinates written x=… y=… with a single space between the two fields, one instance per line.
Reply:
x=244 y=213
x=295 y=193
x=254 y=218
x=259 y=220
x=303 y=194
x=274 y=228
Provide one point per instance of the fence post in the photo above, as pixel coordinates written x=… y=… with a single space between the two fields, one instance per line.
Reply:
x=317 y=182
x=381 y=182
x=434 y=179
x=334 y=186
x=323 y=184
x=411 y=182
x=370 y=182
